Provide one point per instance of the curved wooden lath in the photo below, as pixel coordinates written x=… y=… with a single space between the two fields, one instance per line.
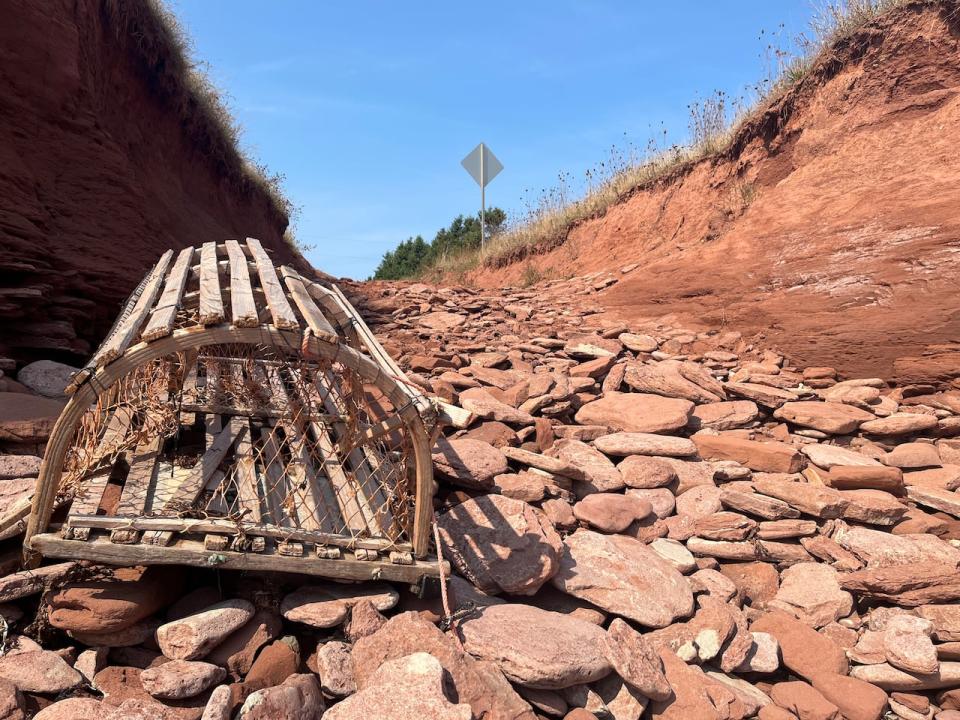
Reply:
x=320 y=434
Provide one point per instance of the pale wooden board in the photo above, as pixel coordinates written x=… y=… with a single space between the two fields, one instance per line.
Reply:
x=273 y=477
x=280 y=310
x=308 y=308
x=315 y=502
x=242 y=306
x=245 y=472
x=164 y=314
x=120 y=340
x=141 y=478
x=211 y=302
x=368 y=467
x=93 y=486
x=216 y=451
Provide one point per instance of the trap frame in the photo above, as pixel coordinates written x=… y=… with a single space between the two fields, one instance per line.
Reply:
x=241 y=418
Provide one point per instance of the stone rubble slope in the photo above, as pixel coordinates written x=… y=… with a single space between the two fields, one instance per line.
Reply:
x=642 y=522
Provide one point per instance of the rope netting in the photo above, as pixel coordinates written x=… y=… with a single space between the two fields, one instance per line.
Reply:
x=253 y=434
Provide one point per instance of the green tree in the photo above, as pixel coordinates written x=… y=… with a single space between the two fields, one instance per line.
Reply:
x=414 y=255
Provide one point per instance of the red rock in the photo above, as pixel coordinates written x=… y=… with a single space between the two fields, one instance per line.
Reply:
x=27 y=418
x=639 y=471
x=636 y=412
x=611 y=512
x=724 y=415
x=910 y=585
x=804 y=701
x=636 y=661
x=110 y=605
x=328 y=605
x=805 y=651
x=180 y=679
x=821 y=502
x=899 y=424
x=238 y=651
x=828 y=417
x=476 y=534
x=75 y=708
x=493 y=433
x=536 y=648
x=193 y=637
x=911 y=456
x=478 y=683
x=297 y=698
x=622 y=575
x=470 y=463
x=638 y=443
x=766 y=456
x=39 y=671
x=667 y=379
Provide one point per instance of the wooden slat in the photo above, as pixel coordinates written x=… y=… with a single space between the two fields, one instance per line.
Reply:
x=141 y=478
x=93 y=486
x=120 y=340
x=273 y=478
x=369 y=493
x=314 y=501
x=320 y=326
x=191 y=553
x=242 y=307
x=280 y=310
x=194 y=483
x=245 y=473
x=161 y=321
x=211 y=303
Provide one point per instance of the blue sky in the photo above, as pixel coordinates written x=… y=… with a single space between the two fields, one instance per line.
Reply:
x=368 y=107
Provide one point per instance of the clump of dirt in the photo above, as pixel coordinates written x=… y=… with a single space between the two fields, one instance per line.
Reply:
x=828 y=230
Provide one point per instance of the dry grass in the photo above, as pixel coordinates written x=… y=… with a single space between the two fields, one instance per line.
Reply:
x=159 y=41
x=713 y=125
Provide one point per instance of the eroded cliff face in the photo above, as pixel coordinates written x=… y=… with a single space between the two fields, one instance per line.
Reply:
x=101 y=169
x=830 y=230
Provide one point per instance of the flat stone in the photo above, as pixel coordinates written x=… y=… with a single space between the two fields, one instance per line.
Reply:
x=668 y=379
x=947 y=501
x=180 y=679
x=945 y=620
x=638 y=342
x=75 y=708
x=335 y=668
x=623 y=576
x=728 y=415
x=674 y=553
x=907 y=645
x=804 y=701
x=766 y=456
x=592 y=346
x=478 y=683
x=805 y=651
x=882 y=549
x=639 y=471
x=441 y=321
x=757 y=582
x=132 y=594
x=661 y=500
x=469 y=463
x=822 y=502
x=768 y=397
x=636 y=661
x=636 y=443
x=699 y=502
x=46 y=377
x=910 y=585
x=890 y=678
x=27 y=418
x=856 y=699
x=500 y=544
x=828 y=417
x=408 y=688
x=874 y=507
x=482 y=404
x=536 y=648
x=829 y=456
x=811 y=592
x=296 y=698
x=326 y=606
x=611 y=512
x=636 y=412
x=39 y=671
x=764 y=654
x=725 y=526
x=238 y=651
x=899 y=424
x=600 y=474
x=19 y=466
x=192 y=637
x=913 y=456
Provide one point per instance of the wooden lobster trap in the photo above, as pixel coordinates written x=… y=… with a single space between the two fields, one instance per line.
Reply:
x=240 y=417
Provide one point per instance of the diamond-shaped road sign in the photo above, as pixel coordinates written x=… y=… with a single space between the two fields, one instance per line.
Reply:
x=482 y=165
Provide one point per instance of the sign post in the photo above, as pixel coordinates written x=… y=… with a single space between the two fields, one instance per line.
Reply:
x=483 y=167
